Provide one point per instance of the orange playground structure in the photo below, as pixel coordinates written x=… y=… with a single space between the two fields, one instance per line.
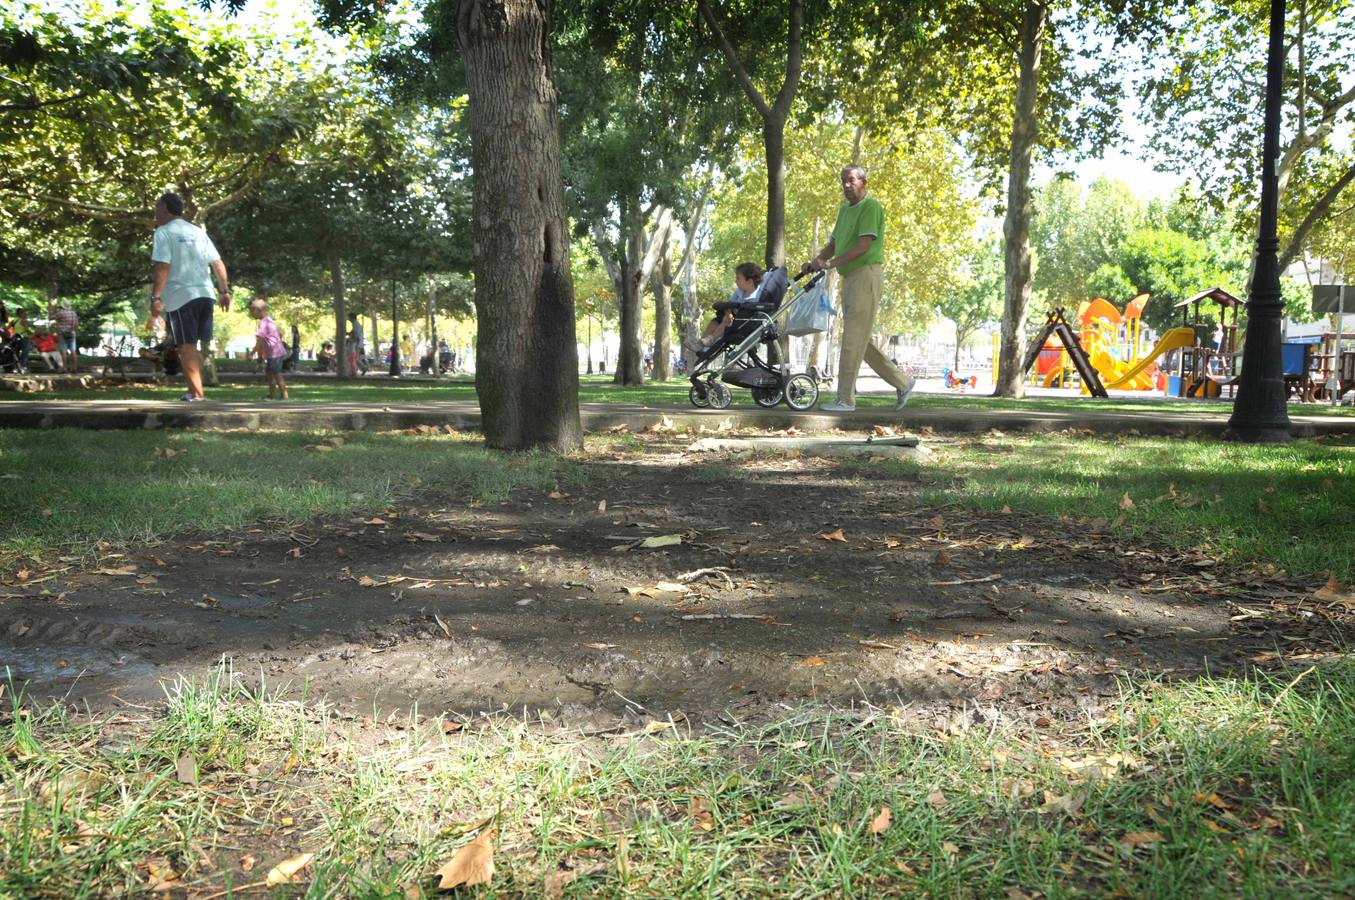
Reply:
x=1114 y=346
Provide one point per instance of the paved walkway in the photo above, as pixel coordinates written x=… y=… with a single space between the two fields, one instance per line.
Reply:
x=138 y=414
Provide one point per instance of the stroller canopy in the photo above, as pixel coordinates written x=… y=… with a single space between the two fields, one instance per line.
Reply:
x=774 y=285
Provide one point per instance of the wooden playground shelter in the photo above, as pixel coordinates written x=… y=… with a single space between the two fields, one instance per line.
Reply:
x=1205 y=369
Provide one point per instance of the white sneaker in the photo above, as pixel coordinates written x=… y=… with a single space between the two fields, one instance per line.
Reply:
x=837 y=406
x=904 y=392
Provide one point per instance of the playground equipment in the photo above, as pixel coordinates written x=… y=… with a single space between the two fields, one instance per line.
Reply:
x=957 y=382
x=1109 y=346
x=1114 y=343
x=1208 y=365
x=1056 y=326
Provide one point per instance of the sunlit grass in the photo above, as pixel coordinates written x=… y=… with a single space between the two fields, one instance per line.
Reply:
x=600 y=389
x=1290 y=506
x=80 y=486
x=1246 y=785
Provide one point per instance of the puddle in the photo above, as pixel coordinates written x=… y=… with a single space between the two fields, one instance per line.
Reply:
x=46 y=670
x=242 y=602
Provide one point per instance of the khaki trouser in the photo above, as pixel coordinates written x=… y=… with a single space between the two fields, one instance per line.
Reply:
x=861 y=292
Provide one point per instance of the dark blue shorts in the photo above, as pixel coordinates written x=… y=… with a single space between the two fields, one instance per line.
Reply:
x=191 y=322
x=274 y=365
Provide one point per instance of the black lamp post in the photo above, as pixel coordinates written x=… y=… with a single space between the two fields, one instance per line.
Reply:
x=395 y=336
x=1260 y=413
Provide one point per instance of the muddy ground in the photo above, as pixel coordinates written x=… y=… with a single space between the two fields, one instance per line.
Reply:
x=794 y=579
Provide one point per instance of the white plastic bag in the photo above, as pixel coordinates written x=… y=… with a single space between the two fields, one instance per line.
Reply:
x=811 y=313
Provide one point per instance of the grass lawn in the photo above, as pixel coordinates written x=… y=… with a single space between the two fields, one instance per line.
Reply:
x=599 y=389
x=1291 y=506
x=1225 y=786
x=1230 y=785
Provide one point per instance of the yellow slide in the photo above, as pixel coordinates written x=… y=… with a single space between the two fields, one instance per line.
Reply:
x=1055 y=377
x=1134 y=376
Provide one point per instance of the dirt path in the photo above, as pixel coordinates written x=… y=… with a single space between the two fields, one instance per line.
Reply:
x=822 y=581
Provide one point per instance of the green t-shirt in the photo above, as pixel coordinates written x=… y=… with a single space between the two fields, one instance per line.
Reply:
x=866 y=217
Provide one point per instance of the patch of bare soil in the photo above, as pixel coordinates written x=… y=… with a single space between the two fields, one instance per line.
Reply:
x=680 y=586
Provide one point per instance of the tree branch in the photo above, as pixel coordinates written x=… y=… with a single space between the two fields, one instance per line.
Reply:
x=732 y=60
x=794 y=56
x=658 y=240
x=1319 y=210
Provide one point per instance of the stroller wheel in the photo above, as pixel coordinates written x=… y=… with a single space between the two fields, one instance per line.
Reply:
x=802 y=392
x=766 y=397
x=699 y=396
x=719 y=395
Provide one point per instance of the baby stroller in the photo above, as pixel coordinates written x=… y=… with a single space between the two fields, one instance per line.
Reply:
x=11 y=352
x=733 y=359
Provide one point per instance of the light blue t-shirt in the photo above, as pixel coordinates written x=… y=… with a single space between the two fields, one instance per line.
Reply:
x=190 y=254
x=737 y=298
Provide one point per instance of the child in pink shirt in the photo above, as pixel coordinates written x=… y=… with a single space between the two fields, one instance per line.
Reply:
x=268 y=347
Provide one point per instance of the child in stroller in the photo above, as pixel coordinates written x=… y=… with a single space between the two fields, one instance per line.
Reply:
x=728 y=352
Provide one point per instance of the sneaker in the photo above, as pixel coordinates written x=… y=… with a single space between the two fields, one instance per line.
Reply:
x=838 y=406
x=189 y=398
x=905 y=392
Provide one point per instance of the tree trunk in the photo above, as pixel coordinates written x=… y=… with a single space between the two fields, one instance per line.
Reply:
x=689 y=328
x=774 y=116
x=662 y=281
x=1016 y=228
x=630 y=358
x=527 y=365
x=340 y=316
x=774 y=145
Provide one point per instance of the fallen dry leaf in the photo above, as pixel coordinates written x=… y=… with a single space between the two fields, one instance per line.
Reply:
x=699 y=809
x=186 y=770
x=936 y=800
x=661 y=540
x=1332 y=592
x=598 y=645
x=472 y=864
x=285 y=871
x=247 y=862
x=1125 y=502
x=1140 y=838
x=881 y=822
x=813 y=661
x=836 y=535
x=121 y=570
x=936 y=522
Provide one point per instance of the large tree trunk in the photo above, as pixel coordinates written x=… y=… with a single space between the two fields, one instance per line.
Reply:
x=662 y=281
x=1010 y=381
x=774 y=144
x=340 y=315
x=527 y=368
x=629 y=357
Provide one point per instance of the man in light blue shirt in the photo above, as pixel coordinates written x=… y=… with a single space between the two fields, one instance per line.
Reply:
x=184 y=261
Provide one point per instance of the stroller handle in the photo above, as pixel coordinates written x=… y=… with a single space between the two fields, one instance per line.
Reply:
x=818 y=276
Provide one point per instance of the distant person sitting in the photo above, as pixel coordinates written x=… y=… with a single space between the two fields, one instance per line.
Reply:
x=324 y=360
x=47 y=347
x=159 y=350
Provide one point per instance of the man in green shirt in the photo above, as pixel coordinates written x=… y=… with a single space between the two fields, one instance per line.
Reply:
x=857 y=250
